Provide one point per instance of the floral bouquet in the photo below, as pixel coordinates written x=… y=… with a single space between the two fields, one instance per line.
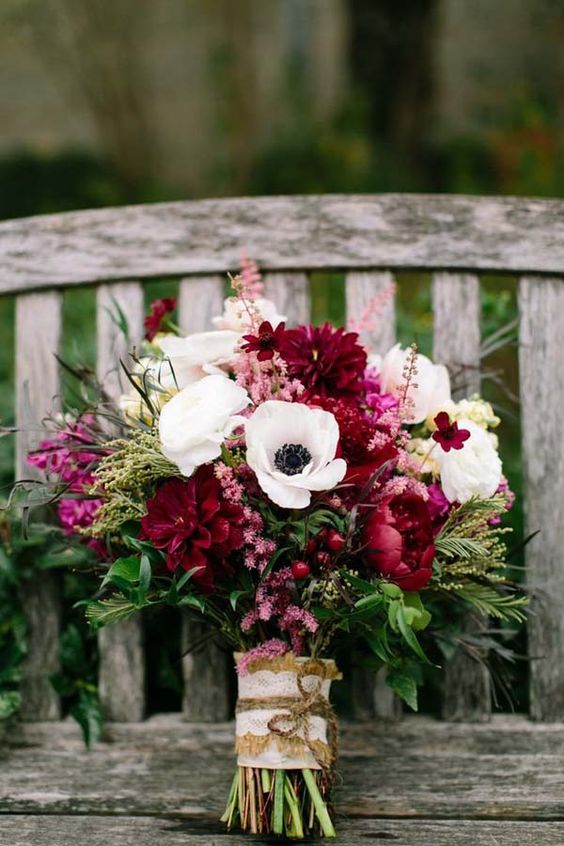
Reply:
x=301 y=495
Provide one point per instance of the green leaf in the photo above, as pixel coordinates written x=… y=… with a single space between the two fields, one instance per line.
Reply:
x=403 y=683
x=391 y=590
x=105 y=611
x=421 y=618
x=408 y=635
x=87 y=713
x=194 y=601
x=126 y=569
x=235 y=596
x=10 y=702
x=393 y=609
x=185 y=577
x=145 y=574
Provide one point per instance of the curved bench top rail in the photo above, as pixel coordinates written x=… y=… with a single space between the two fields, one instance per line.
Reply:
x=391 y=231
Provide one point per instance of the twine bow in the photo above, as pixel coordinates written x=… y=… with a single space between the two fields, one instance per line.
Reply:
x=298 y=710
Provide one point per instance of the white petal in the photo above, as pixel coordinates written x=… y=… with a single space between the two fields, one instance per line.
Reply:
x=283 y=495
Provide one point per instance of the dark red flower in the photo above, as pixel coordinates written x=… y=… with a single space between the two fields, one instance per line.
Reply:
x=159 y=309
x=399 y=541
x=327 y=361
x=266 y=342
x=356 y=440
x=448 y=435
x=195 y=525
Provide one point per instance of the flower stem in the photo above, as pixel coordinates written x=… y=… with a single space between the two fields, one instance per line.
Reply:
x=320 y=806
x=278 y=819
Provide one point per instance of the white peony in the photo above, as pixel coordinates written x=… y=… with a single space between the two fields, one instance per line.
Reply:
x=195 y=422
x=236 y=318
x=432 y=380
x=474 y=470
x=291 y=448
x=200 y=354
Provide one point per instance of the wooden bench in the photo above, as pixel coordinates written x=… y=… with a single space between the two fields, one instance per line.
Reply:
x=368 y=238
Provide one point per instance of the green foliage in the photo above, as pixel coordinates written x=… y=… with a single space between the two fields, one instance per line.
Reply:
x=75 y=683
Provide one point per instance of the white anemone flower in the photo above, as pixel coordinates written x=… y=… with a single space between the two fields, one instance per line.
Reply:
x=430 y=389
x=236 y=317
x=474 y=470
x=194 y=424
x=198 y=355
x=291 y=448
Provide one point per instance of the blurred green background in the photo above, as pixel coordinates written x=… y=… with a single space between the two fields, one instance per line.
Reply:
x=105 y=102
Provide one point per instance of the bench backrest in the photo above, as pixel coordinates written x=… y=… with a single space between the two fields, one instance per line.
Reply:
x=367 y=238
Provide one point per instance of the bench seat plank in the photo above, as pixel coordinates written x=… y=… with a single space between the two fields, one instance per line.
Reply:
x=415 y=769
x=147 y=831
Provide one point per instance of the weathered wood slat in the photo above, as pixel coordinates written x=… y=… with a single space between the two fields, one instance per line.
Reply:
x=206 y=670
x=502 y=234
x=38 y=334
x=290 y=292
x=541 y=311
x=200 y=300
x=371 y=697
x=456 y=343
x=151 y=770
x=122 y=661
x=146 y=831
x=364 y=288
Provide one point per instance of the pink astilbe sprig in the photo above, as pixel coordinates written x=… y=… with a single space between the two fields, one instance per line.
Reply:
x=248 y=287
x=265 y=380
x=257 y=549
x=269 y=649
x=406 y=404
x=369 y=318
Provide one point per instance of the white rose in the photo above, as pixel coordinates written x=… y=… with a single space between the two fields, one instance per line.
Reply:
x=195 y=422
x=474 y=470
x=432 y=380
x=200 y=354
x=236 y=318
x=291 y=448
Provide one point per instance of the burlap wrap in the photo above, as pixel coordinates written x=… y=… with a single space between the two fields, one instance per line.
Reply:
x=283 y=718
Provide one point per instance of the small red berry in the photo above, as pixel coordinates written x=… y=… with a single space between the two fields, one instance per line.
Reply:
x=311 y=546
x=335 y=541
x=323 y=559
x=300 y=570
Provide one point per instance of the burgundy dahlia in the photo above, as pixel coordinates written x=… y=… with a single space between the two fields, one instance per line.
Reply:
x=327 y=361
x=399 y=541
x=266 y=342
x=154 y=320
x=190 y=519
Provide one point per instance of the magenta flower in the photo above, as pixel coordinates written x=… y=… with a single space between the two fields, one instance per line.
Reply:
x=448 y=435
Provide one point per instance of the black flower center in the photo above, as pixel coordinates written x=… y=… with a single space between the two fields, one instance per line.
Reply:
x=291 y=459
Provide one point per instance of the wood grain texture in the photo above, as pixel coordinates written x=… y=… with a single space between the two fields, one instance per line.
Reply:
x=206 y=672
x=38 y=335
x=200 y=300
x=503 y=234
x=121 y=675
x=371 y=697
x=456 y=343
x=89 y=830
x=541 y=314
x=164 y=768
x=364 y=288
x=290 y=292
